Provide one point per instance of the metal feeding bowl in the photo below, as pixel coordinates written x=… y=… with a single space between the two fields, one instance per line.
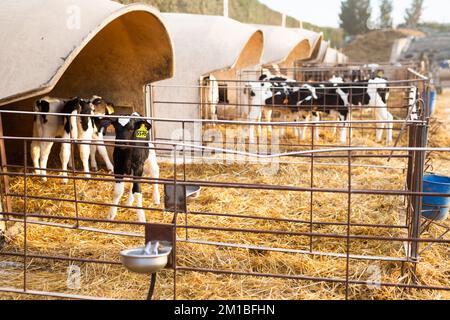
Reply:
x=193 y=192
x=149 y=259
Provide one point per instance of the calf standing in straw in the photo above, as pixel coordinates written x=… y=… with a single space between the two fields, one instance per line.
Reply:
x=133 y=159
x=66 y=126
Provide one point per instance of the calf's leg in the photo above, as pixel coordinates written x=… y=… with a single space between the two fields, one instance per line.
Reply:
x=137 y=192
x=85 y=152
x=382 y=114
x=46 y=147
x=86 y=138
x=268 y=120
x=153 y=168
x=93 y=154
x=119 y=189
x=379 y=133
x=390 y=129
x=316 y=118
x=35 y=148
x=35 y=155
x=255 y=114
x=103 y=152
x=344 y=128
x=334 y=129
x=138 y=195
x=64 y=155
x=304 y=128
x=130 y=197
x=300 y=130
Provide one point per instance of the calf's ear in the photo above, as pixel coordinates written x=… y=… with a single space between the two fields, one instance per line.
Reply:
x=110 y=108
x=142 y=129
x=139 y=124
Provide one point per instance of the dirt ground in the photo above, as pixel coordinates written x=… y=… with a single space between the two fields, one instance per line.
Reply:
x=376 y=46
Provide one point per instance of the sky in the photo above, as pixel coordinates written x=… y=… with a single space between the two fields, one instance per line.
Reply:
x=326 y=12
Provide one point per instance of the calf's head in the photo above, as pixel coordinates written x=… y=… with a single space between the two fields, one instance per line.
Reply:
x=101 y=107
x=260 y=91
x=130 y=127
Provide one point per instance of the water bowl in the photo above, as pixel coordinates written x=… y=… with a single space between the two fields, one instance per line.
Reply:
x=149 y=259
x=193 y=192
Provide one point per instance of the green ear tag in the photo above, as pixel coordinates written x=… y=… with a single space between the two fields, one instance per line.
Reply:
x=110 y=109
x=142 y=132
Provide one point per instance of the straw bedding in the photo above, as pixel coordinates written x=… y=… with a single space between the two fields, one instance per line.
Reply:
x=115 y=282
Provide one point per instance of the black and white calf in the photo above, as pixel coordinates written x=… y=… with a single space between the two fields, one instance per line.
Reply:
x=260 y=94
x=305 y=102
x=378 y=91
x=278 y=83
x=345 y=95
x=66 y=127
x=85 y=129
x=301 y=105
x=334 y=98
x=133 y=159
x=374 y=94
x=339 y=98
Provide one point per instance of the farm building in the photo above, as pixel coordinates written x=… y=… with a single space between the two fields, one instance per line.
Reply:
x=317 y=56
x=315 y=49
x=342 y=58
x=204 y=46
x=284 y=46
x=331 y=56
x=324 y=45
x=88 y=47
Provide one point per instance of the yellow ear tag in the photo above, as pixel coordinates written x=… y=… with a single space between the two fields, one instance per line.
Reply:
x=110 y=109
x=142 y=132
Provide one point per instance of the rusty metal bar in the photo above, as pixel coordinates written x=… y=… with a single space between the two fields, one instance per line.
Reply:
x=256 y=231
x=51 y=294
x=314 y=279
x=25 y=210
x=4 y=187
x=294 y=251
x=227 y=215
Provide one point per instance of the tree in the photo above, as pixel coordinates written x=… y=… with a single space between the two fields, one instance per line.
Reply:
x=414 y=13
x=355 y=15
x=386 y=8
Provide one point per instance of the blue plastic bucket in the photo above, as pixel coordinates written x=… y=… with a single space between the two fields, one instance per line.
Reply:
x=436 y=208
x=433 y=95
